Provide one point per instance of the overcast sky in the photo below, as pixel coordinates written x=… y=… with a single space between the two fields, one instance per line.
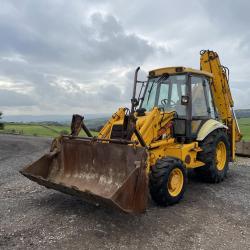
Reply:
x=63 y=57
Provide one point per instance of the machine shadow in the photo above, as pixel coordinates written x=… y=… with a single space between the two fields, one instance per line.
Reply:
x=65 y=204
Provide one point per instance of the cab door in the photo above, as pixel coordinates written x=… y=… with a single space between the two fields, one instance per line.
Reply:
x=202 y=107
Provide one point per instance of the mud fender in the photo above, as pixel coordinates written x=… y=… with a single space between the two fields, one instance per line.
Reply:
x=208 y=127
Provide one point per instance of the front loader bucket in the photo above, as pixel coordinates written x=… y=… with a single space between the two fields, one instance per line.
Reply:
x=98 y=172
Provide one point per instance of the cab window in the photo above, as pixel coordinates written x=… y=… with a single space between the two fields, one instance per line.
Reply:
x=166 y=93
x=210 y=100
x=199 y=103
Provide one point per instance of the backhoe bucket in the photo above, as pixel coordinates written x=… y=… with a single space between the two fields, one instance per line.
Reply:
x=99 y=172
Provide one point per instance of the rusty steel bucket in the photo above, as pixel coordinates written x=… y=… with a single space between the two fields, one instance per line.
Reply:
x=98 y=172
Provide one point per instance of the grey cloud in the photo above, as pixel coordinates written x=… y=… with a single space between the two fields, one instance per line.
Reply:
x=231 y=17
x=110 y=93
x=50 y=37
x=13 y=99
x=66 y=41
x=106 y=42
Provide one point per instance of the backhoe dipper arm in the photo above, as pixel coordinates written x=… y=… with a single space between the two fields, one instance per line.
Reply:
x=210 y=62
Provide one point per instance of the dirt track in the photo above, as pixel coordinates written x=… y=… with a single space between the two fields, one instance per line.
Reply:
x=209 y=217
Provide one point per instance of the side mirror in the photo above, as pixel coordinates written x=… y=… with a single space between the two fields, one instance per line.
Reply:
x=184 y=100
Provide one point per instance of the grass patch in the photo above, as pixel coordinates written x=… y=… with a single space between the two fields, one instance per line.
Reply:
x=37 y=129
x=244 y=124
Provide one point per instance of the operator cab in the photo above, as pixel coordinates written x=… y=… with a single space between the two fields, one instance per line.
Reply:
x=185 y=91
x=166 y=92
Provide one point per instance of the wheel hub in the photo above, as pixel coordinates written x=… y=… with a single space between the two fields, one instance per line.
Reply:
x=221 y=155
x=175 y=182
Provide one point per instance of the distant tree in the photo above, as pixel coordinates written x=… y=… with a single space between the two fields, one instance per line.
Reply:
x=1 y=123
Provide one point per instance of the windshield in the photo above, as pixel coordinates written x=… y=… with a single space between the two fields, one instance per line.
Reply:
x=165 y=92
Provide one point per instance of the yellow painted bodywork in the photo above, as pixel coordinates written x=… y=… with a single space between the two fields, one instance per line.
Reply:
x=235 y=137
x=178 y=70
x=150 y=125
x=177 y=150
x=117 y=117
x=159 y=141
x=210 y=62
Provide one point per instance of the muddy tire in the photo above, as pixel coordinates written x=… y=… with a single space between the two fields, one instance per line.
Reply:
x=167 y=181
x=215 y=154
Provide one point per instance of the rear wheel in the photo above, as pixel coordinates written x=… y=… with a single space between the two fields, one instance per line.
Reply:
x=215 y=155
x=167 y=181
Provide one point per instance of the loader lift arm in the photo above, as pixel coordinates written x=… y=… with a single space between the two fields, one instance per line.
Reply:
x=210 y=62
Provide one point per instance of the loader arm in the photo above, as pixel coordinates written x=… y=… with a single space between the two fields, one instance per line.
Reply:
x=116 y=117
x=210 y=62
x=153 y=125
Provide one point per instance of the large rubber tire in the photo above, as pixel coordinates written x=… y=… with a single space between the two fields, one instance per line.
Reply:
x=159 y=181
x=210 y=172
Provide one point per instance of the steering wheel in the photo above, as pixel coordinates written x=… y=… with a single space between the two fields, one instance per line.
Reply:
x=164 y=102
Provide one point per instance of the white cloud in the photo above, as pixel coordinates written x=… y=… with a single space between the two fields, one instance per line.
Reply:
x=79 y=56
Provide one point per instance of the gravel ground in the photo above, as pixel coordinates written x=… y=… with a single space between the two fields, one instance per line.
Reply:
x=211 y=216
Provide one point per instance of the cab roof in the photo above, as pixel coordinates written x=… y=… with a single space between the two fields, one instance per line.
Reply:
x=177 y=70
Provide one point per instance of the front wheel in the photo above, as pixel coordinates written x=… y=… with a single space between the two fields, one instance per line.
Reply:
x=167 y=181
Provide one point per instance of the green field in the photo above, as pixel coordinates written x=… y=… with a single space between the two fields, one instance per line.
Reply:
x=37 y=129
x=244 y=124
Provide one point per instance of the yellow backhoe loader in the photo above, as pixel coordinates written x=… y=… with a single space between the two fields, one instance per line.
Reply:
x=180 y=119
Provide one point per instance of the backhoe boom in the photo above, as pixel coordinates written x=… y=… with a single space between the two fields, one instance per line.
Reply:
x=210 y=62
